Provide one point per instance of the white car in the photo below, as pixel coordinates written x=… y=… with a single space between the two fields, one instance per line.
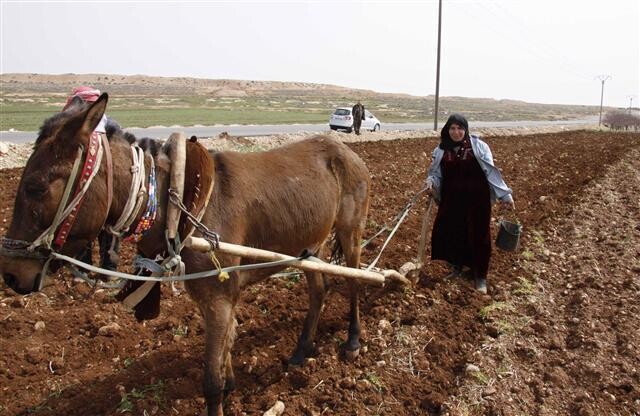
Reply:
x=343 y=120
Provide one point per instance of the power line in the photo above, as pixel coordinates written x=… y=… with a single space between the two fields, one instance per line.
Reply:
x=435 y=115
x=630 y=97
x=512 y=28
x=602 y=78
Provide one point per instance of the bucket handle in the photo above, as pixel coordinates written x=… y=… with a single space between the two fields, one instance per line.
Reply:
x=509 y=214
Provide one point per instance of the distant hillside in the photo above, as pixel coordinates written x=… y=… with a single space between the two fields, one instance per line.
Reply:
x=138 y=100
x=148 y=85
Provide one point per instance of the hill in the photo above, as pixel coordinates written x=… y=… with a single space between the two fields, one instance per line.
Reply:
x=144 y=100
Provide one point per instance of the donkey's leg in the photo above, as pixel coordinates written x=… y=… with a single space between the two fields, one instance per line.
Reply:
x=216 y=301
x=230 y=379
x=218 y=316
x=317 y=292
x=350 y=242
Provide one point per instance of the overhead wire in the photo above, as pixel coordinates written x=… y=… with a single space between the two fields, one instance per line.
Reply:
x=503 y=24
x=547 y=47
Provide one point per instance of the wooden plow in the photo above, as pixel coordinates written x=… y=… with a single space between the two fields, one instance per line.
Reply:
x=371 y=277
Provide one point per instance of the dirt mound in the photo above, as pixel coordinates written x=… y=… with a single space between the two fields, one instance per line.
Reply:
x=556 y=334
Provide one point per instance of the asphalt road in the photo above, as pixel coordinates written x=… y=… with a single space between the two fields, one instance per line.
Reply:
x=267 y=129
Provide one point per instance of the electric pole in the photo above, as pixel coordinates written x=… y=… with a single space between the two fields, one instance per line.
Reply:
x=630 y=102
x=435 y=114
x=602 y=79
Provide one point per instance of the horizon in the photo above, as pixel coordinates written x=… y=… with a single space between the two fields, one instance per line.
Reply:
x=303 y=82
x=501 y=50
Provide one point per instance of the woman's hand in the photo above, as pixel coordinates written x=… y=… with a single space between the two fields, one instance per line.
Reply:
x=428 y=186
x=507 y=204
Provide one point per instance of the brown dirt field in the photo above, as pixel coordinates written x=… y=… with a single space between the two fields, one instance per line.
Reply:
x=558 y=332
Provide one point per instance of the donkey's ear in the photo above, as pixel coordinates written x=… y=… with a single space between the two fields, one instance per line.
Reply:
x=75 y=102
x=94 y=114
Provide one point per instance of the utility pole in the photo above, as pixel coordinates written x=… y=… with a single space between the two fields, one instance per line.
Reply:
x=630 y=103
x=435 y=115
x=602 y=79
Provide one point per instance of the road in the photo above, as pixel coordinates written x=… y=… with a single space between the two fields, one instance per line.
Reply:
x=267 y=129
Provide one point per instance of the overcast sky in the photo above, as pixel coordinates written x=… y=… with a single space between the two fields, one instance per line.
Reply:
x=546 y=51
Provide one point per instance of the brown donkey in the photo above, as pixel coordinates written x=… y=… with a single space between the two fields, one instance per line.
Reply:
x=287 y=200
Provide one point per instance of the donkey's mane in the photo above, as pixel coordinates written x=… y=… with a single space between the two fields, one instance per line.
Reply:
x=50 y=126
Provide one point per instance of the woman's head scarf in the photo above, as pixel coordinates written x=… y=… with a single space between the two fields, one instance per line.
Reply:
x=446 y=143
x=88 y=95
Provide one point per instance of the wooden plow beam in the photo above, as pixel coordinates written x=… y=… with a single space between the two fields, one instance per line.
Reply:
x=371 y=277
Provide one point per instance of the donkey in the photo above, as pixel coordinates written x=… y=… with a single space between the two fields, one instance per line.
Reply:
x=287 y=200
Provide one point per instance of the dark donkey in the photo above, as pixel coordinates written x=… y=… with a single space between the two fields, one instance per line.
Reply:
x=287 y=200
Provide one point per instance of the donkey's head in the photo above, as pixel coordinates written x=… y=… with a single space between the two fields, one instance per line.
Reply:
x=61 y=140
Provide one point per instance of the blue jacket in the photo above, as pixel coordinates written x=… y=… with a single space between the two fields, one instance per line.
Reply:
x=498 y=188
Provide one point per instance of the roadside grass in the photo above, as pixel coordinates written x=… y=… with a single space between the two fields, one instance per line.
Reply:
x=153 y=391
x=24 y=118
x=27 y=112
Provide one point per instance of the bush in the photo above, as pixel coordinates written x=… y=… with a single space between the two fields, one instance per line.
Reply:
x=622 y=120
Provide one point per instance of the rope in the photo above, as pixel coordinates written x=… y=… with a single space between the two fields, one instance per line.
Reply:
x=191 y=276
x=94 y=283
x=401 y=217
x=137 y=191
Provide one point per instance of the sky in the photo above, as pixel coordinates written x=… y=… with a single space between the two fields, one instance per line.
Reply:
x=543 y=51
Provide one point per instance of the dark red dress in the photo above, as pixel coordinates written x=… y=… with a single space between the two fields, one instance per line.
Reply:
x=461 y=232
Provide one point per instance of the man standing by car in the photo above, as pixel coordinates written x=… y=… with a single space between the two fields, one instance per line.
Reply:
x=358 y=115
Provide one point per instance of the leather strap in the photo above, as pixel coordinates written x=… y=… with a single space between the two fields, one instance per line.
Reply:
x=87 y=170
x=107 y=150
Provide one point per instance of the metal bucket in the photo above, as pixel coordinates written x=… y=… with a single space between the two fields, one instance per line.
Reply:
x=508 y=235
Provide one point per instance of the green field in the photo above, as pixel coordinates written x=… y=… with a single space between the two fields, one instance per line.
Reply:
x=27 y=111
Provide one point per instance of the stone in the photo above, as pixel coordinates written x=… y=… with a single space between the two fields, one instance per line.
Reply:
x=276 y=410
x=363 y=385
x=489 y=391
x=109 y=330
x=471 y=368
x=384 y=325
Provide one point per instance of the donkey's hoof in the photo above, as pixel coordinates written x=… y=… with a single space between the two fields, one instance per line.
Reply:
x=217 y=411
x=351 y=355
x=296 y=360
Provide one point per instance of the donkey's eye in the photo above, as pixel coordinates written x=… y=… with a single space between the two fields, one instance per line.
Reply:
x=36 y=188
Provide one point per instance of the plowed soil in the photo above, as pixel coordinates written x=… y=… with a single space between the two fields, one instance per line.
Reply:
x=558 y=332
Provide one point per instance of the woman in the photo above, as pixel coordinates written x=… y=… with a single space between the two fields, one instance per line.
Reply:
x=465 y=183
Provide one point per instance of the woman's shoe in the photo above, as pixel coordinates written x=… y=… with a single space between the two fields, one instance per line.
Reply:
x=481 y=285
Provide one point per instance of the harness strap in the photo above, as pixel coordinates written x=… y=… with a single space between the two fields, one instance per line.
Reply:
x=109 y=160
x=90 y=168
x=148 y=218
x=46 y=237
